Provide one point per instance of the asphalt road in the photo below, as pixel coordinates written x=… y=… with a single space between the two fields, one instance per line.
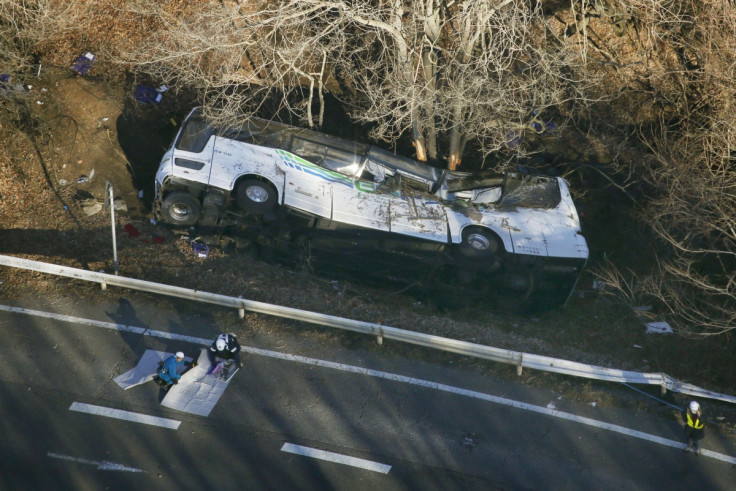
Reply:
x=384 y=422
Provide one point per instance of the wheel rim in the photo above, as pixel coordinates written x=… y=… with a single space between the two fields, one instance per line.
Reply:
x=256 y=193
x=479 y=242
x=180 y=211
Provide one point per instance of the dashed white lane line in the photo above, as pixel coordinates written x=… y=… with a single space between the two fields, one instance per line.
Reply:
x=125 y=415
x=103 y=466
x=384 y=375
x=336 y=457
x=486 y=397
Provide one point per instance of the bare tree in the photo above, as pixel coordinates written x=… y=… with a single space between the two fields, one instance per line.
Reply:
x=26 y=24
x=457 y=71
x=689 y=170
x=443 y=72
x=13 y=56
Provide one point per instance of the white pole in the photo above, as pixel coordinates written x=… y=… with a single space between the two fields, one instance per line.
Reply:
x=114 y=243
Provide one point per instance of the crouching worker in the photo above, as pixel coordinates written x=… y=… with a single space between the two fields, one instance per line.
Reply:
x=225 y=347
x=168 y=373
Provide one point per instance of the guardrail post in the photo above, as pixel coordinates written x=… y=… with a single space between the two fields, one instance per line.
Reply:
x=667 y=382
x=379 y=338
x=104 y=286
x=241 y=309
x=519 y=367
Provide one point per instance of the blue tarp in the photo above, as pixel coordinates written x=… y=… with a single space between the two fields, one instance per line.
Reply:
x=147 y=95
x=83 y=63
x=200 y=249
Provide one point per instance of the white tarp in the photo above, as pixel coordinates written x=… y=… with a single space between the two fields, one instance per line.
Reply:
x=144 y=370
x=197 y=392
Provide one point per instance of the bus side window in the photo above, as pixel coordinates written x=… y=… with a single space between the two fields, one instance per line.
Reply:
x=308 y=150
x=194 y=136
x=342 y=161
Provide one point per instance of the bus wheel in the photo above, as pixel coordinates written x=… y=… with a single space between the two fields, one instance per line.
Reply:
x=478 y=242
x=180 y=208
x=256 y=196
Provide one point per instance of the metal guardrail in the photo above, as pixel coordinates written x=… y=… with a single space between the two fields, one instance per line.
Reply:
x=519 y=359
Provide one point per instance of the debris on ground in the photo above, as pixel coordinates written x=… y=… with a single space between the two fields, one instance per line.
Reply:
x=658 y=328
x=201 y=250
x=83 y=63
x=89 y=204
x=148 y=95
x=6 y=86
x=119 y=204
x=92 y=209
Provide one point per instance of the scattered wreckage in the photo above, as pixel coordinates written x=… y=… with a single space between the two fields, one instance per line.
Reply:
x=359 y=208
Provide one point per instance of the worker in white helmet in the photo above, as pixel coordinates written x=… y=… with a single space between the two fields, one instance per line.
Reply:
x=225 y=347
x=694 y=427
x=168 y=372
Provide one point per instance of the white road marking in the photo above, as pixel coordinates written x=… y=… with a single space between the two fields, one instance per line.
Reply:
x=384 y=375
x=72 y=319
x=125 y=415
x=103 y=466
x=336 y=457
x=105 y=325
x=486 y=397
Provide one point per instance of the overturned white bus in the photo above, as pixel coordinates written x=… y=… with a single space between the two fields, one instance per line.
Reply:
x=373 y=212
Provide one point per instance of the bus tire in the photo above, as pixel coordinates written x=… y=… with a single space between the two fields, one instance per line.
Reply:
x=479 y=243
x=256 y=196
x=180 y=208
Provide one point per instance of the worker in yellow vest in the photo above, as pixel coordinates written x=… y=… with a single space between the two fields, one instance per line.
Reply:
x=694 y=427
